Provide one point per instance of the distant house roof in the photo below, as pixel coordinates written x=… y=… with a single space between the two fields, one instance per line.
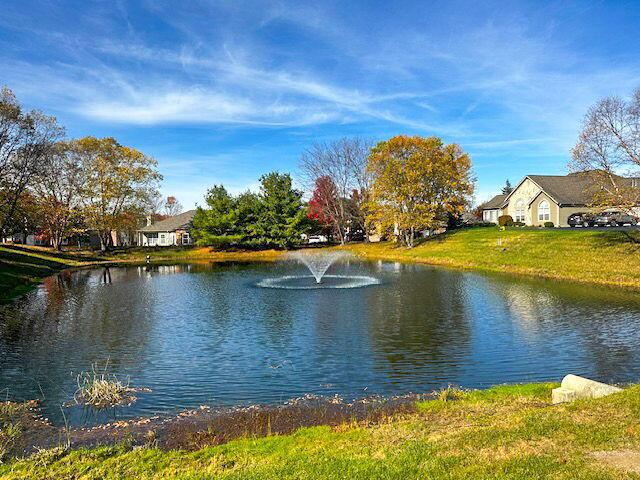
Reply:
x=171 y=224
x=575 y=189
x=495 y=203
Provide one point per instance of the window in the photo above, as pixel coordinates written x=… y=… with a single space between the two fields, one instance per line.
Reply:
x=186 y=239
x=544 y=211
x=519 y=216
x=163 y=239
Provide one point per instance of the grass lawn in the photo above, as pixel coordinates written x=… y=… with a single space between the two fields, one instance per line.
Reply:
x=503 y=432
x=606 y=257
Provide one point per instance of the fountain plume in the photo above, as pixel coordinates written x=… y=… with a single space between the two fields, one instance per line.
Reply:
x=318 y=262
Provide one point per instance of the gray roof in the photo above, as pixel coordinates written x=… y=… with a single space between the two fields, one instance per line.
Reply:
x=495 y=203
x=182 y=220
x=574 y=189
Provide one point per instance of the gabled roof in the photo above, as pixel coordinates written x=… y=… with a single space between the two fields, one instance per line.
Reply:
x=495 y=203
x=575 y=189
x=171 y=224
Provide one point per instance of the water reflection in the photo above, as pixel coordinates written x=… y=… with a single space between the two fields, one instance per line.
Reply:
x=203 y=333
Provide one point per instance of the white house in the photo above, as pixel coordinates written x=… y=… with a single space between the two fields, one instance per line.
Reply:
x=171 y=231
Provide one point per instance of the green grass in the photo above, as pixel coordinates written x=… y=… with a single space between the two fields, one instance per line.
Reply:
x=603 y=257
x=503 y=432
x=21 y=269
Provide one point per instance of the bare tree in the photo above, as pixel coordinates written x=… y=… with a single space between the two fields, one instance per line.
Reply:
x=608 y=151
x=26 y=142
x=172 y=206
x=343 y=162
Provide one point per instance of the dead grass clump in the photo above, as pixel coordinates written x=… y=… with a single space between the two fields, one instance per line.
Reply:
x=450 y=394
x=103 y=389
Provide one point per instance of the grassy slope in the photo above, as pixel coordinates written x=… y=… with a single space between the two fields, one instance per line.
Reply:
x=504 y=432
x=595 y=256
x=22 y=268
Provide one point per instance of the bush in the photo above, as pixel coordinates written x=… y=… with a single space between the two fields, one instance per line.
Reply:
x=548 y=225
x=505 y=221
x=518 y=224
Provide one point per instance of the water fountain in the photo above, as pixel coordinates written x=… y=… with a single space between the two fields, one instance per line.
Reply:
x=318 y=263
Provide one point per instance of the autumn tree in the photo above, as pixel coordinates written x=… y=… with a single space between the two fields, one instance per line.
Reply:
x=119 y=182
x=59 y=191
x=323 y=203
x=26 y=141
x=340 y=167
x=417 y=182
x=608 y=152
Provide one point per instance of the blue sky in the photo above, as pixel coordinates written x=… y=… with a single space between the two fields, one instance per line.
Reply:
x=222 y=92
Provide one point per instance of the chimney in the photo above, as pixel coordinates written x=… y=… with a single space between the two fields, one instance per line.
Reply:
x=149 y=222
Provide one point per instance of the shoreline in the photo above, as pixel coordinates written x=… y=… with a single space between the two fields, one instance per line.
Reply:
x=507 y=430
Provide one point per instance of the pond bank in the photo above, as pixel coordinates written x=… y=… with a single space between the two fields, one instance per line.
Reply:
x=599 y=257
x=505 y=432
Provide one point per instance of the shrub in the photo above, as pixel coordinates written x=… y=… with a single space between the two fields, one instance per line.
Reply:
x=548 y=225
x=505 y=221
x=518 y=224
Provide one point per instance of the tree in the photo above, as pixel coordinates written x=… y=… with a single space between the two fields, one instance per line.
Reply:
x=608 y=147
x=217 y=224
x=275 y=217
x=26 y=141
x=281 y=219
x=507 y=189
x=58 y=189
x=417 y=181
x=172 y=206
x=340 y=167
x=323 y=202
x=120 y=181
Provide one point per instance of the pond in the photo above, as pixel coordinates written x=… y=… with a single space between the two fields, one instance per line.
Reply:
x=209 y=334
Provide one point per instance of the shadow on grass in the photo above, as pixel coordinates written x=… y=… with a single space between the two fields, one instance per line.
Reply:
x=63 y=255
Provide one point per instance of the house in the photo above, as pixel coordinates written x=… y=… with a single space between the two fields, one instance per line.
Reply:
x=538 y=199
x=493 y=209
x=171 y=231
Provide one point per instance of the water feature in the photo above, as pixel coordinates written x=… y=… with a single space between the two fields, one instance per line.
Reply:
x=318 y=262
x=205 y=334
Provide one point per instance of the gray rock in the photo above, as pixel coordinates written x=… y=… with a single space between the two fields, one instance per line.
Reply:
x=574 y=387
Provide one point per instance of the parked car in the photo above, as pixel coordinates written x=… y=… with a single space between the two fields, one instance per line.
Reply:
x=582 y=219
x=317 y=239
x=613 y=219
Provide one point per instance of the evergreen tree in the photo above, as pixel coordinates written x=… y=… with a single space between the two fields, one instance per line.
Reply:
x=507 y=189
x=281 y=220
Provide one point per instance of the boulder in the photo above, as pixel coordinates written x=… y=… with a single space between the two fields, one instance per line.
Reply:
x=574 y=387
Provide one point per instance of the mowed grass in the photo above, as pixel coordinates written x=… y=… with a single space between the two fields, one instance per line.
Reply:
x=21 y=268
x=606 y=257
x=504 y=432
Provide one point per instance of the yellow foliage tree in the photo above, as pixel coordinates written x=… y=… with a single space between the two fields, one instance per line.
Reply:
x=417 y=182
x=119 y=183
